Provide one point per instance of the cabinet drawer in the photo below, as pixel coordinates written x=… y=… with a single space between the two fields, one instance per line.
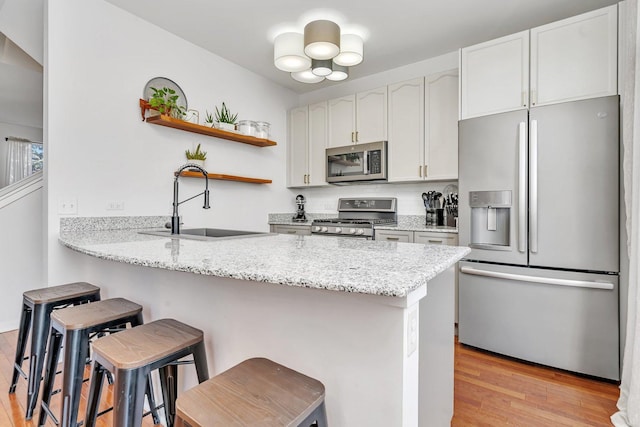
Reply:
x=395 y=236
x=304 y=230
x=432 y=238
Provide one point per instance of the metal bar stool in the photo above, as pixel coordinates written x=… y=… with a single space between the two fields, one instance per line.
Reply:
x=37 y=305
x=256 y=392
x=131 y=355
x=74 y=327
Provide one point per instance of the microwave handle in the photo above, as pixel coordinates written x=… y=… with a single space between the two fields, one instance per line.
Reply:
x=365 y=160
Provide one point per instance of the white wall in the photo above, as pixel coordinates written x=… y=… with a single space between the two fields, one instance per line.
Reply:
x=8 y=129
x=98 y=59
x=21 y=255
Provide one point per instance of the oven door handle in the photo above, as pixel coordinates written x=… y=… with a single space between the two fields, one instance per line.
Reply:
x=365 y=161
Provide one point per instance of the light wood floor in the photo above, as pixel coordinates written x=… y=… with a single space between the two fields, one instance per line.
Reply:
x=489 y=391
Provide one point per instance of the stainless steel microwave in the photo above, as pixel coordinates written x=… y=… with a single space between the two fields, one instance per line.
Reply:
x=357 y=163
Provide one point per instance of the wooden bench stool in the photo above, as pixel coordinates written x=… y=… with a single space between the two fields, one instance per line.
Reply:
x=73 y=328
x=37 y=305
x=131 y=355
x=256 y=392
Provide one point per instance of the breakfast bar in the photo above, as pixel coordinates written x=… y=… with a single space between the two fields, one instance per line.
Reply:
x=373 y=321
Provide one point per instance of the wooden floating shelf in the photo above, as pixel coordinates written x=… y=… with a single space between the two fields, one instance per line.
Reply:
x=164 y=120
x=219 y=176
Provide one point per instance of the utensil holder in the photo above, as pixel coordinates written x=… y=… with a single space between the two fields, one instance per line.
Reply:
x=431 y=217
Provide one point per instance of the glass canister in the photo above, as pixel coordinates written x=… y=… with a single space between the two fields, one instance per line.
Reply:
x=247 y=127
x=262 y=130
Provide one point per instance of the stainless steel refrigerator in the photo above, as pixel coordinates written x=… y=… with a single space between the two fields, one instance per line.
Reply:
x=539 y=193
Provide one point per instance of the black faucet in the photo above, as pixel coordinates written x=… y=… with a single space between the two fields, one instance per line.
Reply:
x=175 y=218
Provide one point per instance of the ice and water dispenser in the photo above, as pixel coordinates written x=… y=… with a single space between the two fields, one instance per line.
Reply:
x=490 y=214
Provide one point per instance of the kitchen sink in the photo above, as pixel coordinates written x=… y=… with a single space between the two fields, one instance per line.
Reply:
x=206 y=233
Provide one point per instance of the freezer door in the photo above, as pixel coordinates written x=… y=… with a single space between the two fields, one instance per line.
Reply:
x=557 y=318
x=492 y=182
x=573 y=167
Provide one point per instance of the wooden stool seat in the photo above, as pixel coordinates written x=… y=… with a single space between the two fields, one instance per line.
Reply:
x=60 y=293
x=88 y=315
x=37 y=306
x=256 y=392
x=146 y=343
x=131 y=355
x=75 y=326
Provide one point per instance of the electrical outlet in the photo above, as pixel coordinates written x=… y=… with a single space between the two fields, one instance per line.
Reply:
x=68 y=206
x=412 y=332
x=115 y=205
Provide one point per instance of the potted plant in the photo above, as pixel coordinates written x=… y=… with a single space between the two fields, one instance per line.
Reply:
x=225 y=119
x=209 y=119
x=165 y=101
x=196 y=157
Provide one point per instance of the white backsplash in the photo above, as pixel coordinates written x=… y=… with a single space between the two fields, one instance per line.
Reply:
x=325 y=199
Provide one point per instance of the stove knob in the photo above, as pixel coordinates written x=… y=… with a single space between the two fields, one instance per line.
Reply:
x=324 y=229
x=316 y=228
x=338 y=230
x=359 y=231
x=352 y=231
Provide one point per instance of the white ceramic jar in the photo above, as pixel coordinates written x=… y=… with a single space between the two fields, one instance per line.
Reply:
x=263 y=130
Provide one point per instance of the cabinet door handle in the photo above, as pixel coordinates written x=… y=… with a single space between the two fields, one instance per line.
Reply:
x=435 y=240
x=356 y=136
x=534 y=97
x=420 y=171
x=353 y=137
x=291 y=231
x=524 y=98
x=392 y=238
x=425 y=171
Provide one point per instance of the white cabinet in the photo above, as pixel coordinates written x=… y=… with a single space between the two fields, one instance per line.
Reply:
x=423 y=128
x=434 y=238
x=494 y=76
x=441 y=126
x=307 y=143
x=406 y=130
x=575 y=58
x=358 y=118
x=317 y=174
x=572 y=59
x=297 y=143
x=394 y=235
x=304 y=230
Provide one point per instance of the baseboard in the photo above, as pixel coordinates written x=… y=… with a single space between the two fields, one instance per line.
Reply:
x=8 y=326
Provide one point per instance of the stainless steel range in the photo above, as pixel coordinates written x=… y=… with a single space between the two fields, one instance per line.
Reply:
x=358 y=217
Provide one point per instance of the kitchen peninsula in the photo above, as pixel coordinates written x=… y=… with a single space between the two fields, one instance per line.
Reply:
x=371 y=320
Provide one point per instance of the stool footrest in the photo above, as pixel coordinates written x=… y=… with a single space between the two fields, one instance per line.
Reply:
x=20 y=371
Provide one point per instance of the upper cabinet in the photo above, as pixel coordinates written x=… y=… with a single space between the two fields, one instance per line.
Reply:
x=423 y=128
x=358 y=119
x=298 y=142
x=494 y=76
x=575 y=58
x=441 y=126
x=572 y=59
x=307 y=144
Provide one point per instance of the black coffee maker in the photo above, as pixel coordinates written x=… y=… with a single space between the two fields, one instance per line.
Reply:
x=300 y=216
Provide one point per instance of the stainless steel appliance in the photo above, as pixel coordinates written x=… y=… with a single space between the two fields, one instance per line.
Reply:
x=539 y=208
x=358 y=218
x=358 y=162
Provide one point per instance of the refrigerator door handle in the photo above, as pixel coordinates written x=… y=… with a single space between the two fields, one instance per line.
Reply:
x=522 y=186
x=534 y=279
x=533 y=186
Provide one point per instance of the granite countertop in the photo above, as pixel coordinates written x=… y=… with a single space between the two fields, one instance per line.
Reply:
x=321 y=262
x=405 y=222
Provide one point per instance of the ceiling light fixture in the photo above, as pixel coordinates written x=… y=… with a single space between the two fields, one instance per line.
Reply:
x=306 y=76
x=351 y=47
x=338 y=73
x=321 y=39
x=321 y=67
x=321 y=51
